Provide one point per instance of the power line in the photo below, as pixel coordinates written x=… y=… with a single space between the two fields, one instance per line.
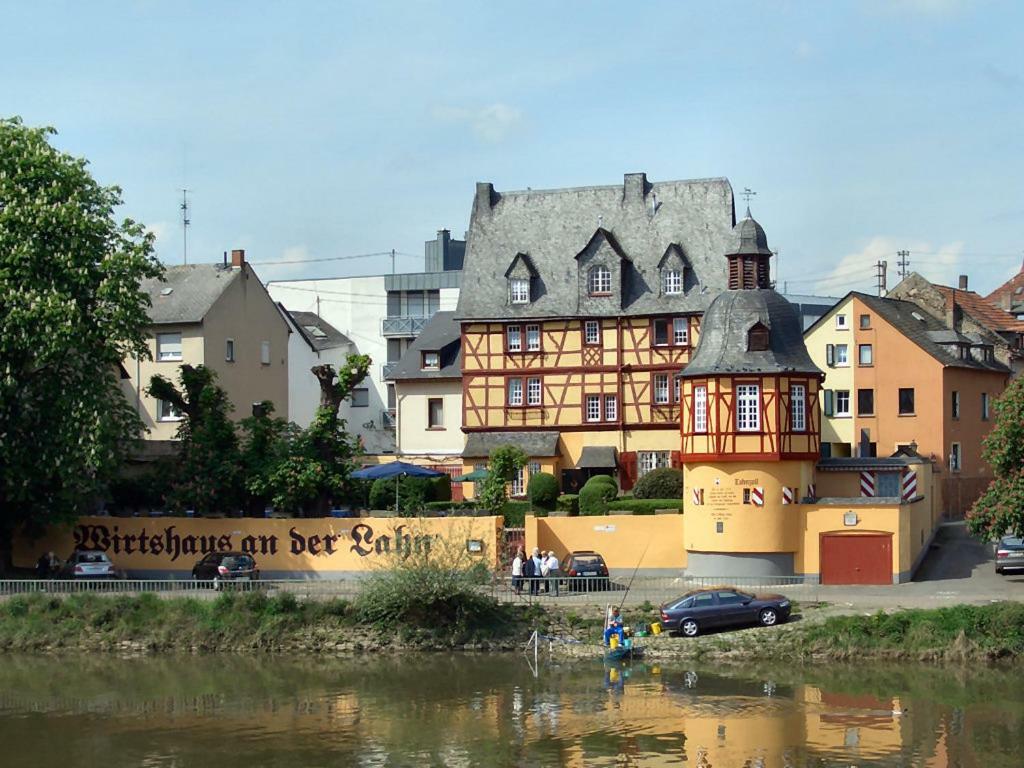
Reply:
x=333 y=258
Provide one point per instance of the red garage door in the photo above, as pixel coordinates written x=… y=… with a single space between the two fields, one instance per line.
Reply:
x=856 y=559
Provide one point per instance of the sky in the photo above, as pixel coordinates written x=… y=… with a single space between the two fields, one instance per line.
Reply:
x=309 y=130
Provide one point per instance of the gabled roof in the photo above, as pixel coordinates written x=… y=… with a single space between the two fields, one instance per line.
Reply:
x=1009 y=294
x=674 y=249
x=533 y=444
x=187 y=292
x=603 y=234
x=525 y=258
x=552 y=226
x=442 y=335
x=983 y=311
x=317 y=332
x=919 y=327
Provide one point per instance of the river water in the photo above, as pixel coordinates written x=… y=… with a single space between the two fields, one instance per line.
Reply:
x=234 y=711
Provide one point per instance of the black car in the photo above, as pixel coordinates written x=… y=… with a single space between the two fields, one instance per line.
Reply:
x=704 y=609
x=221 y=567
x=584 y=571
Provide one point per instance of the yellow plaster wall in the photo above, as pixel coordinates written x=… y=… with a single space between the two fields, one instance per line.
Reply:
x=881 y=518
x=653 y=541
x=141 y=371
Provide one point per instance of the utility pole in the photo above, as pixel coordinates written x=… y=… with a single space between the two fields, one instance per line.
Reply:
x=904 y=262
x=880 y=268
x=185 y=221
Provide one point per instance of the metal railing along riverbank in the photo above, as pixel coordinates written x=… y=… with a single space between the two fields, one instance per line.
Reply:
x=575 y=590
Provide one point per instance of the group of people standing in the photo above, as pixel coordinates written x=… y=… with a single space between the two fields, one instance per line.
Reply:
x=541 y=568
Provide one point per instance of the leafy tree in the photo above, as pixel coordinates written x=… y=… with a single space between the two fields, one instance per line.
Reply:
x=1000 y=509
x=266 y=444
x=70 y=311
x=504 y=463
x=210 y=477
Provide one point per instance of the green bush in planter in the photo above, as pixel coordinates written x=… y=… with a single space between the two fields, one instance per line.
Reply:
x=644 y=506
x=595 y=495
x=663 y=483
x=542 y=490
x=568 y=503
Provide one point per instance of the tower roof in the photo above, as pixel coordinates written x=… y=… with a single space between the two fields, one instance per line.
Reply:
x=749 y=238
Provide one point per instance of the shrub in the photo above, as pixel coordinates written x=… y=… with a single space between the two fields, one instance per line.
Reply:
x=663 y=483
x=514 y=513
x=644 y=506
x=542 y=490
x=595 y=495
x=569 y=503
x=608 y=479
x=440 y=489
x=413 y=494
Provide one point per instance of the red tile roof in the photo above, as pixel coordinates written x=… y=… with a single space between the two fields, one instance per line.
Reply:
x=982 y=310
x=1010 y=293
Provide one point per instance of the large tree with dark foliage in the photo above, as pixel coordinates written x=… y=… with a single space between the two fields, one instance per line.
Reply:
x=70 y=311
x=1000 y=509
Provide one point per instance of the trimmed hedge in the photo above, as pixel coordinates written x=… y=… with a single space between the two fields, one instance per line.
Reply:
x=442 y=506
x=542 y=490
x=514 y=513
x=414 y=493
x=644 y=506
x=663 y=483
x=603 y=479
x=568 y=503
x=595 y=495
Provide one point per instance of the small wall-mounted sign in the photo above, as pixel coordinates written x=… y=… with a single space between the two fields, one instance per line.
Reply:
x=850 y=519
x=719 y=527
x=604 y=528
x=474 y=546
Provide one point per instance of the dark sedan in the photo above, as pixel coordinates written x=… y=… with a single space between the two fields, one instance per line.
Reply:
x=705 y=609
x=221 y=567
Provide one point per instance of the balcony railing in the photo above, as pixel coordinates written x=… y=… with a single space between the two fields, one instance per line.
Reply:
x=403 y=326
x=386 y=369
x=387 y=418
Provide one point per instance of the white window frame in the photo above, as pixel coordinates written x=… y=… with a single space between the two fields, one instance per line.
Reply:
x=593 y=408
x=514 y=338
x=599 y=280
x=166 y=412
x=842 y=355
x=798 y=407
x=591 y=338
x=660 y=385
x=841 y=324
x=700 y=409
x=533 y=338
x=861 y=349
x=515 y=392
x=264 y=353
x=648 y=461
x=519 y=290
x=167 y=340
x=518 y=483
x=672 y=282
x=430 y=423
x=748 y=408
x=534 y=391
x=611 y=407
x=677 y=389
x=533 y=468
x=956 y=457
x=666 y=323
x=437 y=361
x=680 y=331
x=229 y=350
x=836 y=410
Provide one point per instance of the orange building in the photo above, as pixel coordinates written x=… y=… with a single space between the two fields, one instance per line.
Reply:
x=908 y=379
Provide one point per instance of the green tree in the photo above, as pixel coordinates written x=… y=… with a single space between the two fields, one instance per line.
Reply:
x=1000 y=509
x=505 y=461
x=317 y=471
x=70 y=311
x=210 y=475
x=266 y=444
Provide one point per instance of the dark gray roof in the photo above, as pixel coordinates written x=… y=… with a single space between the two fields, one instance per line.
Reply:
x=441 y=334
x=597 y=457
x=187 y=292
x=857 y=463
x=480 y=444
x=749 y=238
x=926 y=331
x=317 y=332
x=553 y=227
x=723 y=336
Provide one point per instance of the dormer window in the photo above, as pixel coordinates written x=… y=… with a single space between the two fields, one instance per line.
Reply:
x=599 y=281
x=672 y=282
x=431 y=361
x=757 y=338
x=519 y=290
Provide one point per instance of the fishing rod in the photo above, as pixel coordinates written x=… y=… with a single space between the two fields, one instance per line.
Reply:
x=630 y=585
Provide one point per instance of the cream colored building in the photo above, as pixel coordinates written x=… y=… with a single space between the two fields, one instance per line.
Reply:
x=831 y=346
x=220 y=316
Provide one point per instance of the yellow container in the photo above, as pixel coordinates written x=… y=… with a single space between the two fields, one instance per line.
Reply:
x=656 y=628
x=613 y=641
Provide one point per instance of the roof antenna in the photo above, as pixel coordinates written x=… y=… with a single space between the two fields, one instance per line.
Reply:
x=185 y=221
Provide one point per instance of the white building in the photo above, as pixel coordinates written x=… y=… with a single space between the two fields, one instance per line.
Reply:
x=380 y=316
x=312 y=342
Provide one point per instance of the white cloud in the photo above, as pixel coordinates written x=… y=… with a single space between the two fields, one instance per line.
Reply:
x=493 y=123
x=855 y=271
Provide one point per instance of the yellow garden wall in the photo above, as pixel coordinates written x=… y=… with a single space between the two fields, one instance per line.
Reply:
x=313 y=548
x=653 y=541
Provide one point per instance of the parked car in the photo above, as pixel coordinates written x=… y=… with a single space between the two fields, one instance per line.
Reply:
x=221 y=567
x=704 y=609
x=585 y=571
x=87 y=564
x=1009 y=553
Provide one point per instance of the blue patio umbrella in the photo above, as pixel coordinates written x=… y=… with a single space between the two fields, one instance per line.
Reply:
x=397 y=470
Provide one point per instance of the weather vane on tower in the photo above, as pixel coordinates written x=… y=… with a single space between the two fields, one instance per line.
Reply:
x=746 y=194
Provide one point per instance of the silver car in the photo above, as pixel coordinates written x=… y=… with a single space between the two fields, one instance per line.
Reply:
x=1009 y=553
x=88 y=564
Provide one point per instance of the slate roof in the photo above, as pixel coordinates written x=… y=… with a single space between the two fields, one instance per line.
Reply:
x=480 y=444
x=441 y=334
x=552 y=226
x=723 y=337
x=318 y=333
x=982 y=310
x=924 y=330
x=597 y=457
x=187 y=292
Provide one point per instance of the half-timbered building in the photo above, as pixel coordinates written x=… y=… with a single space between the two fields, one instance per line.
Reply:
x=579 y=307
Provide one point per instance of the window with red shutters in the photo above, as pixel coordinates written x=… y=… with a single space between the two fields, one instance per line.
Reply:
x=627 y=469
x=676 y=459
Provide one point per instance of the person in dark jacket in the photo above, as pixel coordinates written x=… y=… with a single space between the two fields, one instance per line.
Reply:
x=530 y=575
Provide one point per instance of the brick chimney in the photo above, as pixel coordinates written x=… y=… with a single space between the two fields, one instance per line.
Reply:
x=963 y=282
x=237 y=257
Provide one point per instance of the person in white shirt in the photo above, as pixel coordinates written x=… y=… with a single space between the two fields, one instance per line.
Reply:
x=552 y=571
x=517 y=571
